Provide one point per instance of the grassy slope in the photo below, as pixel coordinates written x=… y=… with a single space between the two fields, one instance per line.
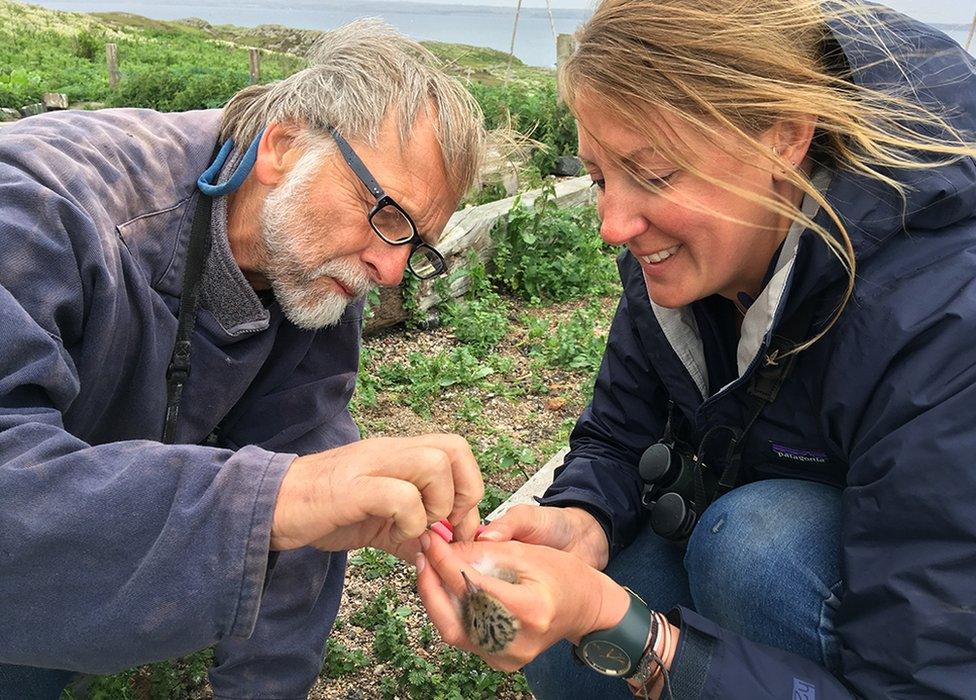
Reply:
x=51 y=51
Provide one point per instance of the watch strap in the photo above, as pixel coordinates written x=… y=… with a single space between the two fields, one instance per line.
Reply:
x=631 y=634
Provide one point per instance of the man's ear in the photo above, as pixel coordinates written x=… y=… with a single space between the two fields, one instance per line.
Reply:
x=792 y=138
x=276 y=153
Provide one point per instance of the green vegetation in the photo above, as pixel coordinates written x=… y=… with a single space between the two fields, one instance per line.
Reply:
x=189 y=64
x=163 y=65
x=449 y=674
x=180 y=679
x=546 y=253
x=373 y=563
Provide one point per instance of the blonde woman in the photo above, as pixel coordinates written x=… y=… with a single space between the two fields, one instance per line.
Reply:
x=780 y=456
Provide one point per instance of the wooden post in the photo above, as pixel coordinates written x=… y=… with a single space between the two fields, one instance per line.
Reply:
x=111 y=54
x=564 y=49
x=972 y=30
x=254 y=64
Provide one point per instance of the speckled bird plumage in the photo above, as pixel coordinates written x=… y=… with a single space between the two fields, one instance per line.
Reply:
x=488 y=623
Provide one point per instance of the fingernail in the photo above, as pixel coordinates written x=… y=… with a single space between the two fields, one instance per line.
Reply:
x=424 y=541
x=488 y=536
x=421 y=562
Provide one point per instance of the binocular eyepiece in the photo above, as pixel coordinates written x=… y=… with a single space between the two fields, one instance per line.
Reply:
x=669 y=491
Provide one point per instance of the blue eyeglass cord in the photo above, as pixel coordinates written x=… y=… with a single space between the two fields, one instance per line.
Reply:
x=206 y=181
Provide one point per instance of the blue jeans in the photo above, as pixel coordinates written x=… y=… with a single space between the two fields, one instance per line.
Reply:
x=27 y=683
x=763 y=562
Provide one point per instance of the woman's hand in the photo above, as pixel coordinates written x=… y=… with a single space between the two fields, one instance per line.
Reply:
x=572 y=530
x=557 y=596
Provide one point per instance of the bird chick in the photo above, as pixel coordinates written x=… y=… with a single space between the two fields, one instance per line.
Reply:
x=488 y=623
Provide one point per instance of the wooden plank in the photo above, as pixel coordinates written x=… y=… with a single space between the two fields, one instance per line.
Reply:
x=112 y=58
x=254 y=65
x=564 y=49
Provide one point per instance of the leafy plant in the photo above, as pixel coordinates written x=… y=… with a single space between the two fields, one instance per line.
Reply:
x=494 y=497
x=178 y=679
x=505 y=456
x=575 y=345
x=423 y=377
x=548 y=253
x=88 y=46
x=373 y=563
x=341 y=661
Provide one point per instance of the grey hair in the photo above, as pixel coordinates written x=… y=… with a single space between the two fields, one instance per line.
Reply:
x=357 y=75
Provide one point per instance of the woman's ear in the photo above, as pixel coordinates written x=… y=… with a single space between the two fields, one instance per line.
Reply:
x=276 y=153
x=791 y=139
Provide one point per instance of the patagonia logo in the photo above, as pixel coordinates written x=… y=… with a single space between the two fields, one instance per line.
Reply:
x=798 y=454
x=803 y=690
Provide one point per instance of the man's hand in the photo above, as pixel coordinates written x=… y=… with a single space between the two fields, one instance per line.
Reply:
x=382 y=492
x=570 y=529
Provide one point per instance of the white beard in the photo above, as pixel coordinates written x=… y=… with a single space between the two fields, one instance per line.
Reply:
x=284 y=227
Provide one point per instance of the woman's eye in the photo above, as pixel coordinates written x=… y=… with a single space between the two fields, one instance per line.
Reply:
x=659 y=181
x=598 y=183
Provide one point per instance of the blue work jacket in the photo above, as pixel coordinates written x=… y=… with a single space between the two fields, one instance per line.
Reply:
x=115 y=549
x=883 y=407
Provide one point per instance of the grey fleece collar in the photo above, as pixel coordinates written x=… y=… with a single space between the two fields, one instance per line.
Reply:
x=226 y=293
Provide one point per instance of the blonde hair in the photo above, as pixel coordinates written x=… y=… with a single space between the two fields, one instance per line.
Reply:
x=357 y=75
x=738 y=66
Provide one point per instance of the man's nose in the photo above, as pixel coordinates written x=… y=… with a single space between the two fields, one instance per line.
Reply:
x=386 y=263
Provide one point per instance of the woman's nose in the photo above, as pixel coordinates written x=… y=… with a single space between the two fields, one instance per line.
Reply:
x=621 y=218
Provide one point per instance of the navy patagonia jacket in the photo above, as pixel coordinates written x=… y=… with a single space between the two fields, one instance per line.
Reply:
x=115 y=549
x=884 y=406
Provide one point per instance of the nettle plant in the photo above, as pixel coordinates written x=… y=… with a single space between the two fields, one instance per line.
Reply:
x=545 y=253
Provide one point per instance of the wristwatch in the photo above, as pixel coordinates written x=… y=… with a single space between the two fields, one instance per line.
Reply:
x=617 y=651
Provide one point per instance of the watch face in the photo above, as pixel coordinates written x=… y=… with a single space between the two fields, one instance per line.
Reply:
x=605 y=657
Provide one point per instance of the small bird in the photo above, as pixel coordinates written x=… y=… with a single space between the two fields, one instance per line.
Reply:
x=489 y=624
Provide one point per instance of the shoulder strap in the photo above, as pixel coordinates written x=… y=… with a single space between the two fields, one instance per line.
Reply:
x=179 y=364
x=767 y=380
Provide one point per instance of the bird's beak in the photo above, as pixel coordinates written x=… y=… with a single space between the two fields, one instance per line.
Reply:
x=471 y=587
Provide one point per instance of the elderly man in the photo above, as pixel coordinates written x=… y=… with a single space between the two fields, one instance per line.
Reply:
x=177 y=355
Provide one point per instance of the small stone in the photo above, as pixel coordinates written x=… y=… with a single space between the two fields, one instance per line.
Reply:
x=8 y=115
x=379 y=669
x=556 y=404
x=55 y=100
x=567 y=165
x=32 y=110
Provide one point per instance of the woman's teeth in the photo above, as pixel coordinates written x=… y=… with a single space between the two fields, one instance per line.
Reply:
x=661 y=255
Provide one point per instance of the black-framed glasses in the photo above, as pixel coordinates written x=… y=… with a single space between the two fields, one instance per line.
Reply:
x=390 y=221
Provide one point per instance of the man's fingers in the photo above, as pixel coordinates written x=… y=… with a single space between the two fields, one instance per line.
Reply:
x=469 y=487
x=396 y=500
x=465 y=530
x=429 y=470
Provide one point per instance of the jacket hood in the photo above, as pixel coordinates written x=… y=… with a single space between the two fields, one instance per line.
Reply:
x=888 y=51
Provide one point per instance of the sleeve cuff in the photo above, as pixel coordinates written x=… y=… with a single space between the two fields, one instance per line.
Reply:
x=258 y=558
x=693 y=658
